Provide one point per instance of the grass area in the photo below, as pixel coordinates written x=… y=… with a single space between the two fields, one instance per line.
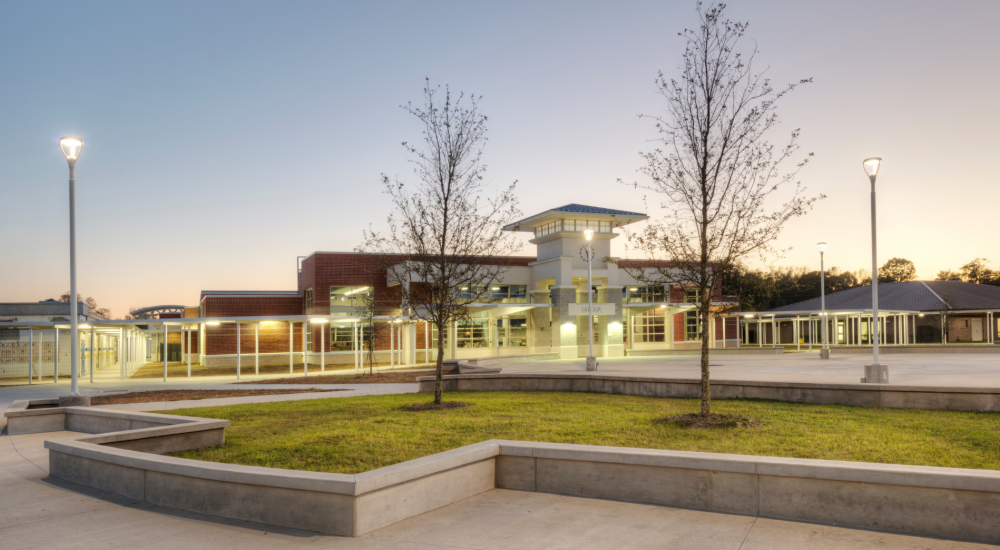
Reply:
x=357 y=434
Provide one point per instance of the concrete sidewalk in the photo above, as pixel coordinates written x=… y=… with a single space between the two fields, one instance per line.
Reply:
x=916 y=369
x=39 y=511
x=347 y=391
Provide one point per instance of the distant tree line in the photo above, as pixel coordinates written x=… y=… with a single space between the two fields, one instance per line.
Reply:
x=91 y=303
x=761 y=290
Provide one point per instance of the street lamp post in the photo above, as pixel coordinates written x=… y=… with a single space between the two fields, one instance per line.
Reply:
x=876 y=373
x=591 y=361
x=825 y=352
x=71 y=148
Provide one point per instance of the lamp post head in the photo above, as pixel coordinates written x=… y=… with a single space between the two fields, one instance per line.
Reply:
x=821 y=247
x=871 y=167
x=588 y=233
x=71 y=148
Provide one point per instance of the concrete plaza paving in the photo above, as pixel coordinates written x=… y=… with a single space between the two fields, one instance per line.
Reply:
x=36 y=509
x=918 y=369
x=40 y=511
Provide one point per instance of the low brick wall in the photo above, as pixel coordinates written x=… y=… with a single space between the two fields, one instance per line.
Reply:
x=863 y=395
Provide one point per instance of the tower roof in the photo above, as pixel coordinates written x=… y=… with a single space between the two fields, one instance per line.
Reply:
x=576 y=211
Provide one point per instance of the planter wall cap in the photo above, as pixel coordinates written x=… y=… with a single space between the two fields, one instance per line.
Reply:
x=421 y=467
x=232 y=473
x=888 y=474
x=724 y=383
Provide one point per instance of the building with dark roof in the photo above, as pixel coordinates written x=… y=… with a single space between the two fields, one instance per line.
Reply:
x=914 y=312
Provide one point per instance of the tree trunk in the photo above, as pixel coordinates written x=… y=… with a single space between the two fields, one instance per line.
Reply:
x=438 y=383
x=706 y=388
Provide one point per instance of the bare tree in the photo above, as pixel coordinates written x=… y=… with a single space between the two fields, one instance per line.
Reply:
x=91 y=304
x=717 y=172
x=369 y=309
x=445 y=244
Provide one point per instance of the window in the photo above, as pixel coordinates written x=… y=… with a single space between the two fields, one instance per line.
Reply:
x=513 y=331
x=309 y=337
x=650 y=293
x=692 y=295
x=349 y=296
x=573 y=225
x=649 y=326
x=341 y=337
x=309 y=299
x=692 y=326
x=549 y=228
x=474 y=334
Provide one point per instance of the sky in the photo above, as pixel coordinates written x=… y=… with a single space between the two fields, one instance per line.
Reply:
x=224 y=139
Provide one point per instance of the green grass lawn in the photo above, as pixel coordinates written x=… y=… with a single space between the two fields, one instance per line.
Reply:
x=357 y=434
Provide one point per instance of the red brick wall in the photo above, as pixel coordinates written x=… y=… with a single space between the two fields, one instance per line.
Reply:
x=221 y=339
x=321 y=271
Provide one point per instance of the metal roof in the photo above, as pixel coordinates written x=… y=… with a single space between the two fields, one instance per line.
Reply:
x=584 y=209
x=909 y=296
x=528 y=224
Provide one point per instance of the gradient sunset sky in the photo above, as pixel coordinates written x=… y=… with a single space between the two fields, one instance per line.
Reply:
x=225 y=139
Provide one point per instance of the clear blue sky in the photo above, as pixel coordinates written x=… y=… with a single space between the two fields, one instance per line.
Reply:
x=225 y=139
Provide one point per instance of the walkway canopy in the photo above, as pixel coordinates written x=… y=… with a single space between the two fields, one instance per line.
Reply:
x=909 y=313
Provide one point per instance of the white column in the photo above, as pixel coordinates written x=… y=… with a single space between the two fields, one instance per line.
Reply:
x=163 y=350
x=55 y=372
x=427 y=342
x=91 y=354
x=239 y=364
x=391 y=343
x=291 y=359
x=256 y=349
x=189 y=350
x=354 y=344
x=31 y=352
x=798 y=337
x=305 y=347
x=121 y=353
x=322 y=347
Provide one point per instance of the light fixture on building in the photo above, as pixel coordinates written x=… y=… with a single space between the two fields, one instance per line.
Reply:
x=748 y=316
x=212 y=323
x=496 y=288
x=588 y=233
x=319 y=320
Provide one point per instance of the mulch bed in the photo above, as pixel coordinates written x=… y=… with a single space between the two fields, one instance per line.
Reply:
x=181 y=395
x=444 y=406
x=377 y=378
x=695 y=420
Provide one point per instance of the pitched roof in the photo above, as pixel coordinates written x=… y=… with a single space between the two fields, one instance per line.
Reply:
x=909 y=296
x=583 y=209
x=529 y=223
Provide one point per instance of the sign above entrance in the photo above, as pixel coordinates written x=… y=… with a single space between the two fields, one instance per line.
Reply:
x=593 y=309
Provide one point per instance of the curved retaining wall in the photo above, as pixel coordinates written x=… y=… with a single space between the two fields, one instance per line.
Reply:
x=863 y=395
x=940 y=502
